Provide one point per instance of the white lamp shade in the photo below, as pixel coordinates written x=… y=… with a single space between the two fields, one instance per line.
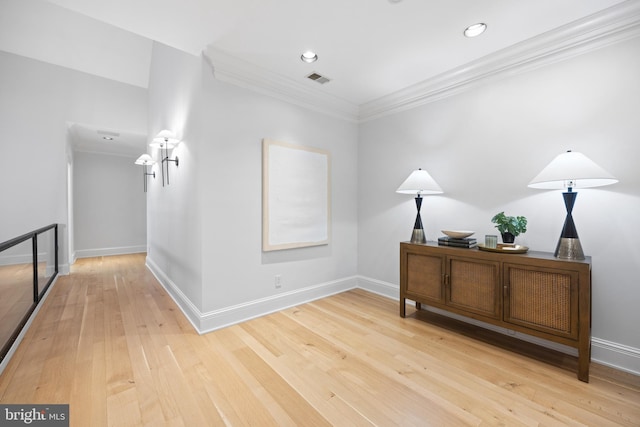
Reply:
x=145 y=160
x=419 y=182
x=572 y=169
x=165 y=139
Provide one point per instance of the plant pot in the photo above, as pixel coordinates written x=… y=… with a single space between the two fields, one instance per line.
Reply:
x=508 y=238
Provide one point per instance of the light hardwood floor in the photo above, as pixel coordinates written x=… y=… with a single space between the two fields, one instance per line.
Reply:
x=16 y=297
x=110 y=342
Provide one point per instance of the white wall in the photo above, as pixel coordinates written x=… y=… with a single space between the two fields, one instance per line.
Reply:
x=485 y=145
x=109 y=205
x=174 y=228
x=205 y=227
x=238 y=271
x=37 y=102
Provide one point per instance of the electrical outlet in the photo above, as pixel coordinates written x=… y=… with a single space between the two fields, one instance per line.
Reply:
x=278 y=281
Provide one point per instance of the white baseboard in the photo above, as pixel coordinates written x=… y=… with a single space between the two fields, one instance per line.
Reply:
x=393 y=291
x=186 y=306
x=64 y=269
x=21 y=258
x=607 y=353
x=506 y=331
x=379 y=287
x=217 y=319
x=122 y=250
x=16 y=259
x=615 y=355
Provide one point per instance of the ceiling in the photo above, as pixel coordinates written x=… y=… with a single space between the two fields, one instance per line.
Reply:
x=367 y=48
x=89 y=138
x=372 y=51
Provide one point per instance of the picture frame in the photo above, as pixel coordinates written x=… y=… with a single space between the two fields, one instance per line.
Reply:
x=296 y=196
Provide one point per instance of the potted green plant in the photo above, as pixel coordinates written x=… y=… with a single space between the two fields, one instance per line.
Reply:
x=509 y=226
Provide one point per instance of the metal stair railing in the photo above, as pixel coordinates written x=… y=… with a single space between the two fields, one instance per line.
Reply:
x=22 y=266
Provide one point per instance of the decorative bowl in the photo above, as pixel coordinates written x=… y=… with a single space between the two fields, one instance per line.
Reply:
x=458 y=234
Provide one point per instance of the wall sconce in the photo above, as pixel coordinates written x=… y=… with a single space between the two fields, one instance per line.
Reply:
x=418 y=183
x=571 y=170
x=165 y=140
x=145 y=160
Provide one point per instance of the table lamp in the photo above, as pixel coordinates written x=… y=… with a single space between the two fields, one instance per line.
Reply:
x=571 y=170
x=419 y=183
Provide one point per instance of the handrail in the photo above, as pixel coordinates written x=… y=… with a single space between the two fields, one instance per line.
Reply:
x=37 y=293
x=26 y=236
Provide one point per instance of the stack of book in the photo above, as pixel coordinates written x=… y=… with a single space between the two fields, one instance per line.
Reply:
x=467 y=242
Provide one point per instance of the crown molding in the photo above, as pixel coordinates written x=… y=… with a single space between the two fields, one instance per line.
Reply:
x=615 y=24
x=236 y=71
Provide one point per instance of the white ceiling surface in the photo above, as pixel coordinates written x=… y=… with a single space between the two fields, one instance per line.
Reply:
x=88 y=138
x=46 y=32
x=369 y=49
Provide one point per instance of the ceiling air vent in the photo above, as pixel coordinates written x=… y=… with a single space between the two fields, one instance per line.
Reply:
x=318 y=78
x=108 y=133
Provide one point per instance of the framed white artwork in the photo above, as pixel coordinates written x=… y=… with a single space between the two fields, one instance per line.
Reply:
x=296 y=208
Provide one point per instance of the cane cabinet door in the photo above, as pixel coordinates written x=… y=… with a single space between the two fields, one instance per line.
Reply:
x=473 y=286
x=543 y=299
x=425 y=277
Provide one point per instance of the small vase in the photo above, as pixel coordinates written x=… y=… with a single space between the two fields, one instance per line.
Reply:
x=508 y=238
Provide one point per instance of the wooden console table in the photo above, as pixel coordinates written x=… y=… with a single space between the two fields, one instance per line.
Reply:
x=533 y=293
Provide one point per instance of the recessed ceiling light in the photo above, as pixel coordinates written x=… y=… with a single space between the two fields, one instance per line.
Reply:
x=108 y=138
x=309 y=57
x=475 y=30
